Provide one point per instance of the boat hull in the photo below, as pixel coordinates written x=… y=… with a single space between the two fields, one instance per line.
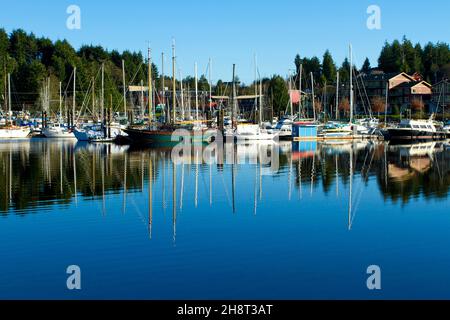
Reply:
x=14 y=133
x=163 y=136
x=81 y=135
x=58 y=134
x=411 y=135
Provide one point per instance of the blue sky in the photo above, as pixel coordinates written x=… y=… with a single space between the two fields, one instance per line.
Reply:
x=234 y=31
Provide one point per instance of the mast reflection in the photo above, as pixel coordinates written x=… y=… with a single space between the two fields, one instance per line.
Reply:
x=39 y=173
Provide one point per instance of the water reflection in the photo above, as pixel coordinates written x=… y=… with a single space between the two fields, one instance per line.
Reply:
x=38 y=174
x=140 y=225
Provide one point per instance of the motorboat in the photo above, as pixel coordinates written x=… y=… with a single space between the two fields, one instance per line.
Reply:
x=411 y=130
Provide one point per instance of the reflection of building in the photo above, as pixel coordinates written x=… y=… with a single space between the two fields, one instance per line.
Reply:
x=415 y=159
x=304 y=149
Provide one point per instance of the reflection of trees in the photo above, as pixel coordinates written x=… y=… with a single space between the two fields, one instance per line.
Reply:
x=400 y=178
x=43 y=173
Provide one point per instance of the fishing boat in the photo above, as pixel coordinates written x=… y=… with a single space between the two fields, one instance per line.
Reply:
x=10 y=131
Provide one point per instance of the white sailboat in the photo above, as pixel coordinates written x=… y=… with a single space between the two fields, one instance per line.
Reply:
x=252 y=132
x=9 y=131
x=58 y=130
x=337 y=130
x=96 y=131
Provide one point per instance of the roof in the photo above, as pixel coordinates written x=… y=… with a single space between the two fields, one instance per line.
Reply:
x=413 y=84
x=381 y=76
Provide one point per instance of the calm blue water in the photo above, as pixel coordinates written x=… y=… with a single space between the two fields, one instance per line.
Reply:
x=278 y=234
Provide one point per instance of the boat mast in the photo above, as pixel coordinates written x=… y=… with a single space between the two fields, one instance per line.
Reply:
x=174 y=88
x=386 y=103
x=166 y=113
x=189 y=101
x=233 y=98
x=124 y=89
x=5 y=90
x=74 y=96
x=9 y=99
x=196 y=92
x=60 y=103
x=337 y=95
x=102 y=112
x=290 y=94
x=150 y=88
x=210 y=86
x=351 y=84
x=182 y=96
x=93 y=100
x=300 y=107
x=256 y=84
x=313 y=97
x=142 y=108
x=260 y=101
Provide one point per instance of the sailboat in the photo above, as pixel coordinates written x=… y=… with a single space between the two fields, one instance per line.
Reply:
x=98 y=131
x=251 y=132
x=58 y=130
x=169 y=132
x=284 y=125
x=337 y=130
x=9 y=131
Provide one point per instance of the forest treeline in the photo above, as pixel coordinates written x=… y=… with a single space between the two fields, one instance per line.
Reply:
x=31 y=60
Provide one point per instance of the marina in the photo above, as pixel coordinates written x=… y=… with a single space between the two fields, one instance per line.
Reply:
x=224 y=161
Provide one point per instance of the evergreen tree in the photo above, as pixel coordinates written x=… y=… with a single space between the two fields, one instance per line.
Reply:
x=344 y=71
x=328 y=68
x=280 y=94
x=366 y=66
